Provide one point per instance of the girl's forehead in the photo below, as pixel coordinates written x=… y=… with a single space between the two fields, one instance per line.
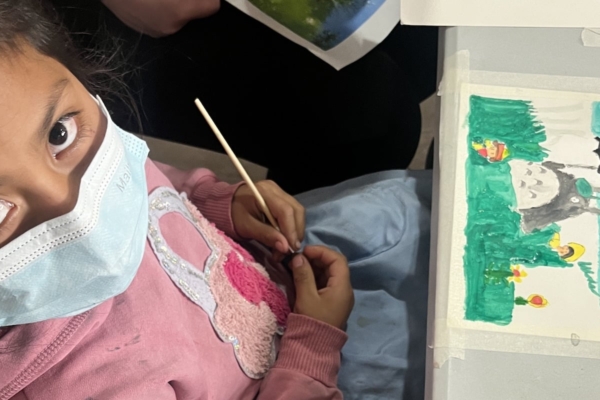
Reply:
x=27 y=71
x=27 y=79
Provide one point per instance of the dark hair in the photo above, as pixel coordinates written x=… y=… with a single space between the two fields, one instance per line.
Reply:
x=569 y=254
x=38 y=24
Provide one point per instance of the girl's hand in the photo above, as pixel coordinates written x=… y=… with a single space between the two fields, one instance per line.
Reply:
x=250 y=223
x=323 y=289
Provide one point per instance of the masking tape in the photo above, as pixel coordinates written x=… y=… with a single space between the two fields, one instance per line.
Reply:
x=452 y=337
x=456 y=71
x=446 y=344
x=590 y=37
x=460 y=340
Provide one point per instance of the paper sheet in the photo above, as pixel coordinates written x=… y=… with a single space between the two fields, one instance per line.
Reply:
x=529 y=13
x=531 y=268
x=337 y=31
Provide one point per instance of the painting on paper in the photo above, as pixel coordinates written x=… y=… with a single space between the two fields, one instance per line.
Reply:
x=323 y=23
x=531 y=165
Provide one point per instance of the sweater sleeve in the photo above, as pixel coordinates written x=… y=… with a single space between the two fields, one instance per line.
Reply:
x=212 y=197
x=308 y=362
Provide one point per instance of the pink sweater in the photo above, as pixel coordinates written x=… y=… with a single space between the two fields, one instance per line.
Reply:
x=164 y=338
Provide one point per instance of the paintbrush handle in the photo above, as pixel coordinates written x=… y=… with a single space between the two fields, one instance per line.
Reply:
x=238 y=165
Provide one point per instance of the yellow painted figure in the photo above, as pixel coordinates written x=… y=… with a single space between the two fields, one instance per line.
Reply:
x=569 y=252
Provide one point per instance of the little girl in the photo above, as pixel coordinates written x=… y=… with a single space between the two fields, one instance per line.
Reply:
x=119 y=278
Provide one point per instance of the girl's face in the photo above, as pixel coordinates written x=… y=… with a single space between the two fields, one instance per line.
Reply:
x=50 y=130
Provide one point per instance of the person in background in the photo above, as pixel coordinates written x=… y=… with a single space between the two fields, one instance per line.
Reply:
x=271 y=98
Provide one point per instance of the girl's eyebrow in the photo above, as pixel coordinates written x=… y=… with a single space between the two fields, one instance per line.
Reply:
x=57 y=91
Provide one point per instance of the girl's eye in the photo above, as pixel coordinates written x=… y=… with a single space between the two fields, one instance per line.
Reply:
x=62 y=134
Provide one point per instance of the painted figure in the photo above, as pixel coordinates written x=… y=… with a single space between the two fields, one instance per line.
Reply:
x=492 y=150
x=569 y=252
x=545 y=194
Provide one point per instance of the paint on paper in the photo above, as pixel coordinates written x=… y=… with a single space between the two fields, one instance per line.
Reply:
x=532 y=179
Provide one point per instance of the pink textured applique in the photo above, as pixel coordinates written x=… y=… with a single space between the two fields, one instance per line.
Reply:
x=254 y=326
x=239 y=248
x=256 y=288
x=250 y=307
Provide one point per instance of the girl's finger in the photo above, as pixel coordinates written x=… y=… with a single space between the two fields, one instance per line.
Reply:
x=304 y=279
x=321 y=277
x=326 y=258
x=284 y=213
x=300 y=217
x=278 y=256
x=321 y=256
x=288 y=212
x=265 y=234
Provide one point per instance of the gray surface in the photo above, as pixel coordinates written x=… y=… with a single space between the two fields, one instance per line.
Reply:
x=557 y=51
x=512 y=376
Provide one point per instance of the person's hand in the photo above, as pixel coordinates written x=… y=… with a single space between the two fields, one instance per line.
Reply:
x=323 y=289
x=250 y=223
x=160 y=18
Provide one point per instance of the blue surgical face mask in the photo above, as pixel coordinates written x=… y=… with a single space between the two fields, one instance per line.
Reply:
x=72 y=263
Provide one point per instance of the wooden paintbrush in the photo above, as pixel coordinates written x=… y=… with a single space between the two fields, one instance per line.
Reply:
x=236 y=162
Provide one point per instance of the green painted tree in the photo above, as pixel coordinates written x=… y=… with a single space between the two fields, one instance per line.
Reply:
x=495 y=240
x=509 y=121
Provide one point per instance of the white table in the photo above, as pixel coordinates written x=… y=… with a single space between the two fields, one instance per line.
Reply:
x=485 y=375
